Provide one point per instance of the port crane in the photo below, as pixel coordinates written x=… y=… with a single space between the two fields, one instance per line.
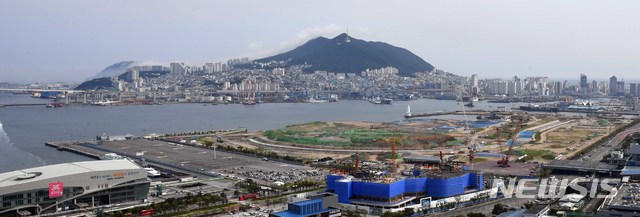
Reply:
x=504 y=161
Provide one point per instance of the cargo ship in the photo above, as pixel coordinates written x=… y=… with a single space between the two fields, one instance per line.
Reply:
x=446 y=97
x=538 y=108
x=378 y=101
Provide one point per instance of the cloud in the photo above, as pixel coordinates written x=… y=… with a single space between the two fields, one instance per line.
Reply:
x=256 y=46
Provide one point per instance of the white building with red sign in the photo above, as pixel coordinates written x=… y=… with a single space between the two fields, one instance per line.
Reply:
x=71 y=185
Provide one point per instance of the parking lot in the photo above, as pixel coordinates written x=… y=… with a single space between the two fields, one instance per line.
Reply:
x=201 y=159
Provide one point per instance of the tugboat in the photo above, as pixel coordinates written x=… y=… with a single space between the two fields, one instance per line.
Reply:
x=55 y=105
x=470 y=105
x=248 y=102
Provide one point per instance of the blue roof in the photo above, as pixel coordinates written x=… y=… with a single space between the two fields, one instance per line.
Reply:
x=527 y=134
x=294 y=214
x=630 y=170
x=577 y=107
x=307 y=202
x=515 y=213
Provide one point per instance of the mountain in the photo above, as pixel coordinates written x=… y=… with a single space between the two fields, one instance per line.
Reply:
x=115 y=69
x=103 y=83
x=346 y=54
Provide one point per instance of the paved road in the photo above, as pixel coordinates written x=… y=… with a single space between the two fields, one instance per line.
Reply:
x=286 y=147
x=485 y=208
x=605 y=149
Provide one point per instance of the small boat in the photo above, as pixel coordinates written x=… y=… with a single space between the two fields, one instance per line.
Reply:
x=470 y=105
x=248 y=102
x=315 y=100
x=55 y=105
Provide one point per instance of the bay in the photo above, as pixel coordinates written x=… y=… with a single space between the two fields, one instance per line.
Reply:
x=24 y=130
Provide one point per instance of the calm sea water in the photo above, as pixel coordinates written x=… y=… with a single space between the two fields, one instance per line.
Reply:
x=24 y=130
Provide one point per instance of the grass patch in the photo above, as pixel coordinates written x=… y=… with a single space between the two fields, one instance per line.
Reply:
x=210 y=210
x=323 y=133
x=479 y=159
x=535 y=154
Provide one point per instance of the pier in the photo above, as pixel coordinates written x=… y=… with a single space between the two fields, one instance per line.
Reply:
x=27 y=104
x=75 y=147
x=476 y=112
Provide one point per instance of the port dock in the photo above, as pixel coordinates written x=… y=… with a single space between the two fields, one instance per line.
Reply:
x=75 y=147
x=28 y=104
x=191 y=158
x=473 y=112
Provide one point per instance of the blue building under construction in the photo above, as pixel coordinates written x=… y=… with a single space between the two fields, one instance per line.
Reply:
x=390 y=193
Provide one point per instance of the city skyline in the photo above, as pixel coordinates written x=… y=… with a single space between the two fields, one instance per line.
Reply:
x=76 y=40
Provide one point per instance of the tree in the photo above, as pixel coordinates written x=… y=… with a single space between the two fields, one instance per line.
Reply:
x=408 y=212
x=476 y=215
x=224 y=197
x=498 y=209
x=207 y=142
x=350 y=213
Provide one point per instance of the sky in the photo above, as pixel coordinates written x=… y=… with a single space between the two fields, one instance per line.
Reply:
x=69 y=40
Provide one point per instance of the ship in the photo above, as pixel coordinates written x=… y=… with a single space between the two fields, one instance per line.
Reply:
x=446 y=97
x=470 y=99
x=538 y=108
x=314 y=100
x=381 y=101
x=470 y=105
x=55 y=105
x=248 y=102
x=104 y=102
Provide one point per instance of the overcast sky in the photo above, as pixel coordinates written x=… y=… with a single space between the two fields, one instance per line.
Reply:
x=73 y=40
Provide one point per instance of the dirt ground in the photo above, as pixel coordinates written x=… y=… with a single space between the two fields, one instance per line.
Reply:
x=563 y=140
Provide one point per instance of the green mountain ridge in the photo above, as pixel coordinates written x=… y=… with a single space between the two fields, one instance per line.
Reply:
x=351 y=56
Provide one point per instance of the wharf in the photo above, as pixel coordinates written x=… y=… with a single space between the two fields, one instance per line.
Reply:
x=472 y=112
x=193 y=159
x=28 y=104
x=75 y=147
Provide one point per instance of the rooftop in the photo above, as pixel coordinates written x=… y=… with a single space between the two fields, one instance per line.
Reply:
x=294 y=214
x=628 y=196
x=634 y=149
x=423 y=158
x=307 y=202
x=630 y=171
x=58 y=170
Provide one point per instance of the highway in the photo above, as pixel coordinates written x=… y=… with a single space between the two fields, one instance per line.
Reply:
x=485 y=208
x=605 y=149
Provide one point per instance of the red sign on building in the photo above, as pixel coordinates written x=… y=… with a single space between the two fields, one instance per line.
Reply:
x=56 y=189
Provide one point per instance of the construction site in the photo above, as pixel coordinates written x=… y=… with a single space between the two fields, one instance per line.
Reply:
x=429 y=184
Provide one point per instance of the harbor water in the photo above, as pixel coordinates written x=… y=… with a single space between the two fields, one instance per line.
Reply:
x=25 y=129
